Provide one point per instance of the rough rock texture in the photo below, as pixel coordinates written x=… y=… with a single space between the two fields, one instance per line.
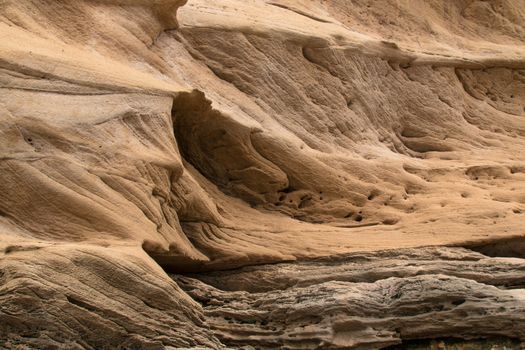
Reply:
x=370 y=153
x=364 y=300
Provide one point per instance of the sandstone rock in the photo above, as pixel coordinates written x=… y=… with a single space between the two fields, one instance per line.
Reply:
x=364 y=300
x=335 y=154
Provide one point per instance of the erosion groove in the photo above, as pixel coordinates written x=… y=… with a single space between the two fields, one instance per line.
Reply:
x=262 y=174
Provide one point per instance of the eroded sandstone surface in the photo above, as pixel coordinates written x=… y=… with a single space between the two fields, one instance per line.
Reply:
x=262 y=174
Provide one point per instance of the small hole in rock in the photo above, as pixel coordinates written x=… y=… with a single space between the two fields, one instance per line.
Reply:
x=458 y=302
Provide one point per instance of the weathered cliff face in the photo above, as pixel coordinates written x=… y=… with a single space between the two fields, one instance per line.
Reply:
x=356 y=166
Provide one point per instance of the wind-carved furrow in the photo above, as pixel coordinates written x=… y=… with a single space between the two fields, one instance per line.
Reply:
x=245 y=162
x=220 y=148
x=371 y=267
x=300 y=12
x=509 y=247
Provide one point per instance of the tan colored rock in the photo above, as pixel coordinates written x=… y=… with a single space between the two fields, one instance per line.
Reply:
x=202 y=136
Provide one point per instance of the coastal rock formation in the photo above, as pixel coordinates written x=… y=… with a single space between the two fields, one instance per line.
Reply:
x=261 y=173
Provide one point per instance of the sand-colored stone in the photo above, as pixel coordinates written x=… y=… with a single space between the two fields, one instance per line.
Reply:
x=209 y=135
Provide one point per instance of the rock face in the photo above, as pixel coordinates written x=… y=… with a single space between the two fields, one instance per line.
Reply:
x=312 y=174
x=324 y=304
